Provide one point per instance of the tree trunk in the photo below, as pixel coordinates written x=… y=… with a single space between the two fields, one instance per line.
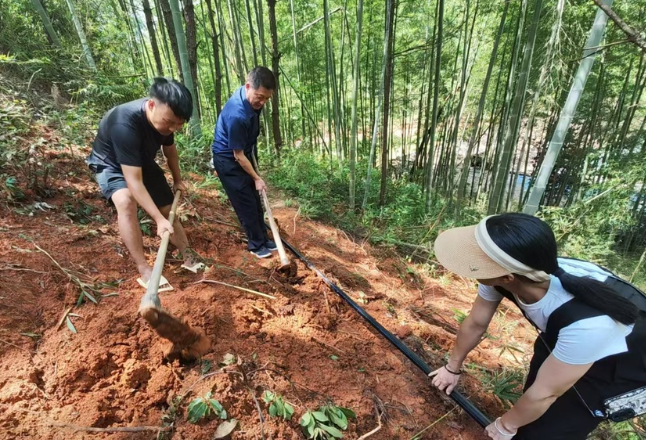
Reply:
x=153 y=37
x=275 y=58
x=390 y=36
x=81 y=34
x=172 y=35
x=191 y=45
x=252 y=35
x=311 y=118
x=576 y=90
x=298 y=65
x=420 y=154
x=237 y=44
x=464 y=82
x=466 y=166
x=375 y=126
x=485 y=168
x=209 y=104
x=342 y=80
x=516 y=113
x=331 y=72
x=51 y=33
x=507 y=101
x=163 y=31
x=221 y=25
x=139 y=35
x=632 y=34
x=120 y=12
x=261 y=32
x=236 y=16
x=216 y=59
x=260 y=21
x=549 y=57
x=634 y=102
x=436 y=91
x=355 y=90
x=183 y=57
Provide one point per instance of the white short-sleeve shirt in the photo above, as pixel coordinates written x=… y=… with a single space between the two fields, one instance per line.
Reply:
x=584 y=341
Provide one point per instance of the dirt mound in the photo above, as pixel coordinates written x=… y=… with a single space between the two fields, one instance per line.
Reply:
x=305 y=344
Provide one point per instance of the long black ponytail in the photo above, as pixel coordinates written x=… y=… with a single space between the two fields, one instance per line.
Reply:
x=531 y=241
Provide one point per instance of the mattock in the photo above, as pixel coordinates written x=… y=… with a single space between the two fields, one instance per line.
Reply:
x=188 y=343
x=287 y=267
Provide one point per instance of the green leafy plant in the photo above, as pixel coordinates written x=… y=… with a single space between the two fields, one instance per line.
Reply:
x=146 y=224
x=11 y=189
x=326 y=423
x=511 y=348
x=278 y=407
x=79 y=212
x=203 y=407
x=506 y=385
x=459 y=316
x=206 y=366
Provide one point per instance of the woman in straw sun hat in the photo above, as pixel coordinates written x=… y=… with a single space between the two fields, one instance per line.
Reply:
x=591 y=339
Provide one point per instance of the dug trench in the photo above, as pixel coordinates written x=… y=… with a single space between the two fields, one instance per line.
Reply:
x=103 y=367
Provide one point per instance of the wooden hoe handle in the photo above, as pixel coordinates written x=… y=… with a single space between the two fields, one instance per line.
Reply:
x=153 y=283
x=284 y=261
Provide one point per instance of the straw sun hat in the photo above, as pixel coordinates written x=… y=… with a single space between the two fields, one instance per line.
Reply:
x=470 y=252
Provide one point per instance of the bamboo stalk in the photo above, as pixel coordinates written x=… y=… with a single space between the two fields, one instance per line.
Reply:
x=115 y=429
x=264 y=295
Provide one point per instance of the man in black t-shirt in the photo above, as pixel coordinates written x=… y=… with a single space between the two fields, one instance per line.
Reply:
x=123 y=160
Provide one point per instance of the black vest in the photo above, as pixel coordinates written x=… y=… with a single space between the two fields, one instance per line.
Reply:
x=601 y=379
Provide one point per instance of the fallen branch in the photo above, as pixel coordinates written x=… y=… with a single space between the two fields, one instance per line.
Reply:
x=379 y=416
x=238 y=272
x=63 y=318
x=222 y=222
x=116 y=429
x=417 y=247
x=291 y=382
x=632 y=34
x=433 y=424
x=262 y=310
x=374 y=431
x=14 y=345
x=262 y=427
x=328 y=346
x=65 y=271
x=264 y=295
x=21 y=269
x=84 y=287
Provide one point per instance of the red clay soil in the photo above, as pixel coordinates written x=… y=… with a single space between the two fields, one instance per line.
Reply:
x=305 y=344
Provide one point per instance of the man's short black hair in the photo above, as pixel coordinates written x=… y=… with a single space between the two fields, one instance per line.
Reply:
x=262 y=77
x=175 y=95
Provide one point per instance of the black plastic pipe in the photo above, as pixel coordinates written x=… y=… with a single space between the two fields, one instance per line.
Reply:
x=462 y=401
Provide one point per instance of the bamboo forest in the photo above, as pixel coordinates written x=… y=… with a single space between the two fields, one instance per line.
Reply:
x=390 y=122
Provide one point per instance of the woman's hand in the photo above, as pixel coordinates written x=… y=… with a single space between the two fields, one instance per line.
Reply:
x=497 y=432
x=445 y=380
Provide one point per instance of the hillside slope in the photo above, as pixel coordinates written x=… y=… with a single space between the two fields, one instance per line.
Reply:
x=305 y=344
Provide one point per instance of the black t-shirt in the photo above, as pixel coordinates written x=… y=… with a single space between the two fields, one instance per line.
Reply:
x=126 y=137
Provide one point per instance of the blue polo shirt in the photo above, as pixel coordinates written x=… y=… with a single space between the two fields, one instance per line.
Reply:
x=238 y=126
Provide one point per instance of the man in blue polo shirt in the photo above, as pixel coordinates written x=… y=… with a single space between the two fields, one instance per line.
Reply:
x=234 y=146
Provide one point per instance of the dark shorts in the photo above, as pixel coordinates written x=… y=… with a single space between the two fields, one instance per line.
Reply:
x=111 y=181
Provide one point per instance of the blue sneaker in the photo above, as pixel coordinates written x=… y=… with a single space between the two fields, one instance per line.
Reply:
x=271 y=245
x=261 y=252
